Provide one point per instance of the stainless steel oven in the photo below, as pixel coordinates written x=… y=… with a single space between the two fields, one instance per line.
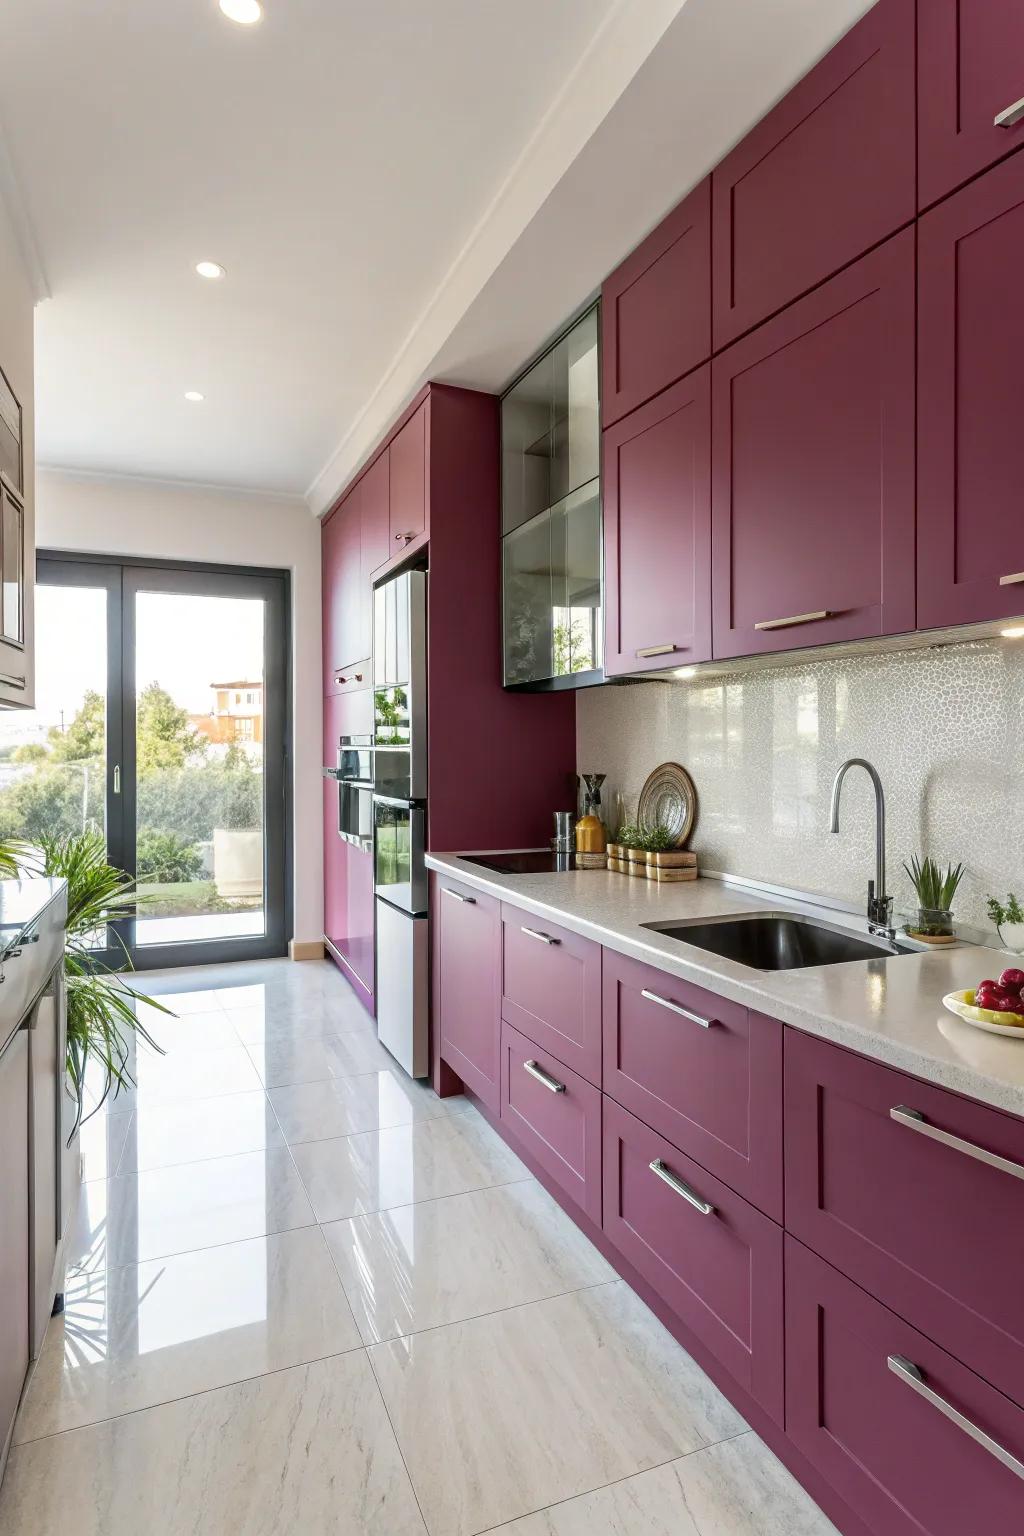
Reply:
x=353 y=775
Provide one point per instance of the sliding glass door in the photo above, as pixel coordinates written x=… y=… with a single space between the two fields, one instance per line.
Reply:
x=161 y=723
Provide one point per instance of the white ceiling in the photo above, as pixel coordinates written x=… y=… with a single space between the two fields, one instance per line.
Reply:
x=398 y=189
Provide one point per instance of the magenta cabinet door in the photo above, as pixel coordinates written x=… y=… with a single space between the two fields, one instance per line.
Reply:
x=714 y=1259
x=970 y=444
x=467 y=991
x=335 y=870
x=925 y=1224
x=702 y=1071
x=408 y=507
x=826 y=175
x=551 y=989
x=970 y=61
x=813 y=466
x=556 y=1115
x=657 y=531
x=346 y=637
x=656 y=309
x=896 y=1456
x=375 y=514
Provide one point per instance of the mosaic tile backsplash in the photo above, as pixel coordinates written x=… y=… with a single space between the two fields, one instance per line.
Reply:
x=944 y=727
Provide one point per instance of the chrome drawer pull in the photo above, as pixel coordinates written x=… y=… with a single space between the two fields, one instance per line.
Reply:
x=660 y=650
x=677 y=1186
x=1009 y=117
x=544 y=1078
x=915 y=1121
x=543 y=938
x=1012 y=581
x=684 y=1013
x=457 y=896
x=913 y=1376
x=796 y=618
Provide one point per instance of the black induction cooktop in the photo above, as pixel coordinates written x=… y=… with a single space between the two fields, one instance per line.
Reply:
x=529 y=861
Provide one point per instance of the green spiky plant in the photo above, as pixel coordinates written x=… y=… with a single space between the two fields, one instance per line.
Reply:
x=935 y=889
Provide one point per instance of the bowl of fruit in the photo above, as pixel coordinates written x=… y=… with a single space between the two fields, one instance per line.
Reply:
x=995 y=1006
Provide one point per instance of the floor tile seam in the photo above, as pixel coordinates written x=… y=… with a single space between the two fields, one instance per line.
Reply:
x=158 y=1258
x=475 y=1317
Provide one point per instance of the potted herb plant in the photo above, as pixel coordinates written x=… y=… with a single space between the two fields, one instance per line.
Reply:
x=1008 y=917
x=935 y=889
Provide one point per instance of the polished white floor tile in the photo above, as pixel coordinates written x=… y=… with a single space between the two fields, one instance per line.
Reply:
x=255 y=1026
x=101 y=1142
x=139 y=1216
x=345 y=1105
x=190 y=1131
x=305 y=1450
x=203 y=1075
x=179 y=1000
x=510 y=1413
x=737 y=1488
x=148 y=1333
x=191 y=1032
x=376 y=1170
x=306 y=1059
x=446 y=1260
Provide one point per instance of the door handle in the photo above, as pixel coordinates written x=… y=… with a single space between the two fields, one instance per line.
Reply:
x=117 y=778
x=544 y=1078
x=1013 y=580
x=470 y=901
x=542 y=938
x=1009 y=117
x=913 y=1376
x=660 y=650
x=795 y=618
x=915 y=1121
x=676 y=1185
x=684 y=1013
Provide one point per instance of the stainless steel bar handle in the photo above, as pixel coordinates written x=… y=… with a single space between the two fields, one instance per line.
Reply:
x=470 y=901
x=665 y=1174
x=1009 y=117
x=913 y=1376
x=544 y=1078
x=915 y=1121
x=684 y=1013
x=794 y=618
x=660 y=650
x=543 y=938
x=1013 y=580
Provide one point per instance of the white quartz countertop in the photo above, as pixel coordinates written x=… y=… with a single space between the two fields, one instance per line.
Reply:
x=889 y=1008
x=23 y=900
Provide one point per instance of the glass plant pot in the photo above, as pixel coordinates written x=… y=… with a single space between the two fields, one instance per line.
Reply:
x=1011 y=937
x=933 y=923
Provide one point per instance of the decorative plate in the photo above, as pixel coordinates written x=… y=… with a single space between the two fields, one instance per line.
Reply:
x=962 y=1004
x=668 y=799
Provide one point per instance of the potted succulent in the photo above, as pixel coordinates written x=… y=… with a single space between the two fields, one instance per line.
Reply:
x=935 y=889
x=1008 y=917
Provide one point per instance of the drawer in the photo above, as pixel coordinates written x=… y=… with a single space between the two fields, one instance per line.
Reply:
x=702 y=1071
x=551 y=989
x=898 y=1445
x=713 y=1258
x=556 y=1115
x=911 y=1205
x=466 y=954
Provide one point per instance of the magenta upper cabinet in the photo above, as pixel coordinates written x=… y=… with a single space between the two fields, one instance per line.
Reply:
x=467 y=989
x=656 y=309
x=709 y=1255
x=813 y=466
x=894 y=1440
x=970 y=63
x=551 y=989
x=970 y=443
x=657 y=531
x=826 y=175
x=408 y=505
x=346 y=636
x=887 y=1178
x=374 y=504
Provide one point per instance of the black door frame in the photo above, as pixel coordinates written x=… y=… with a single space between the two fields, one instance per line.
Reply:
x=124 y=578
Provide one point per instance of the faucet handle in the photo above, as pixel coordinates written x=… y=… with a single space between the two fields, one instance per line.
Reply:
x=879 y=910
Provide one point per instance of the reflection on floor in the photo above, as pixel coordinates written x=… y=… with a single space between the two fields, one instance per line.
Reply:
x=308 y=1295
x=194 y=926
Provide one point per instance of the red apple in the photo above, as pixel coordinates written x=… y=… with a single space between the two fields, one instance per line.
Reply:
x=988 y=996
x=988 y=985
x=1012 y=980
x=1008 y=1002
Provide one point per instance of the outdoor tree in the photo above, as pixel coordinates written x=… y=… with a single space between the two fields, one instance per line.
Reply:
x=84 y=737
x=165 y=736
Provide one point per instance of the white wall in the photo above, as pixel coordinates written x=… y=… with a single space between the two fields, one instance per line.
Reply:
x=159 y=520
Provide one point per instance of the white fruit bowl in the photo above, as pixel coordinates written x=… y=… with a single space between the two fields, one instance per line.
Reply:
x=962 y=1004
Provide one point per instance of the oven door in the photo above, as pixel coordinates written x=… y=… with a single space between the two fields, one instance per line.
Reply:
x=355 y=814
x=399 y=844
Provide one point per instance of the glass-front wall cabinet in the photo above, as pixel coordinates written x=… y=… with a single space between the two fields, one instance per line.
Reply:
x=551 y=516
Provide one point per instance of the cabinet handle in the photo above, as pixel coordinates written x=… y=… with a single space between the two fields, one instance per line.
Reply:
x=915 y=1121
x=544 y=1078
x=407 y=537
x=913 y=1377
x=1009 y=117
x=684 y=1013
x=795 y=618
x=446 y=890
x=665 y=1174
x=1012 y=581
x=542 y=938
x=660 y=650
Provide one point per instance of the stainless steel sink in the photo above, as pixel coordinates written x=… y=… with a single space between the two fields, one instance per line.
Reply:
x=778 y=941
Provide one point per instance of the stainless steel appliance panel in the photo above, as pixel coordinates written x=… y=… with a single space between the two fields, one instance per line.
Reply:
x=403 y=994
x=399 y=848
x=400 y=687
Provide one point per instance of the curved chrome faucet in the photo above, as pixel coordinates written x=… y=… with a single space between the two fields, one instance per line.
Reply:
x=879 y=908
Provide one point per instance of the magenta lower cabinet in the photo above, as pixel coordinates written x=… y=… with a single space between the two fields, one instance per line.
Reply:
x=556 y=1115
x=466 y=984
x=889 y=1179
x=714 y=1259
x=551 y=989
x=704 y=1072
x=915 y=1443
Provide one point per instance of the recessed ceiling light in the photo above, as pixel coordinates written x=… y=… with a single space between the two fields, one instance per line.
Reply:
x=685 y=672
x=194 y=395
x=1015 y=632
x=245 y=12
x=211 y=269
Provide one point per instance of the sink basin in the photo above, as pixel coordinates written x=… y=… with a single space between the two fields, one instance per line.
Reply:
x=778 y=941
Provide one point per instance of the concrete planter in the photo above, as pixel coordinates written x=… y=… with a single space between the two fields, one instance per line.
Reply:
x=237 y=862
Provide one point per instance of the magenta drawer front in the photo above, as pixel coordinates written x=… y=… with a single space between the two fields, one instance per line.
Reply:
x=915 y=1443
x=556 y=1115
x=701 y=1070
x=892 y=1181
x=551 y=989
x=714 y=1259
x=466 y=993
